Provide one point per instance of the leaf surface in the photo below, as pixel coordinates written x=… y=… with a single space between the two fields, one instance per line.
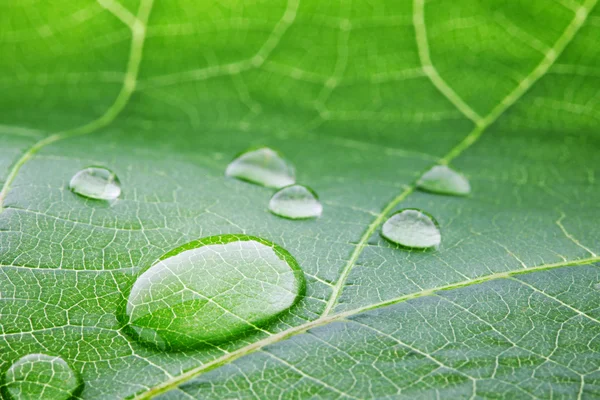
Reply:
x=363 y=98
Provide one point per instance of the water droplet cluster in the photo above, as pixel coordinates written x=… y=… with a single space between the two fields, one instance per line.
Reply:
x=219 y=287
x=417 y=229
x=266 y=167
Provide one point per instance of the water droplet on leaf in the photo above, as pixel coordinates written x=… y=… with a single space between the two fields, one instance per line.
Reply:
x=262 y=166
x=41 y=377
x=412 y=228
x=96 y=183
x=444 y=180
x=212 y=289
x=296 y=202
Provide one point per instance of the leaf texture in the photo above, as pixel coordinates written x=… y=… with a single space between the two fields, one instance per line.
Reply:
x=363 y=97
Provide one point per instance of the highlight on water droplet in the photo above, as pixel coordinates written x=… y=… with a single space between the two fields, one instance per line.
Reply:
x=442 y=179
x=262 y=166
x=96 y=183
x=41 y=377
x=412 y=228
x=211 y=290
x=296 y=202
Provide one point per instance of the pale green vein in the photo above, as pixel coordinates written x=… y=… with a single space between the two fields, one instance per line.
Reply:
x=138 y=35
x=540 y=70
x=481 y=123
x=508 y=339
x=474 y=281
x=309 y=377
x=19 y=131
x=362 y=243
x=579 y=312
x=430 y=70
x=416 y=350
x=256 y=61
x=327 y=319
x=571 y=237
x=120 y=12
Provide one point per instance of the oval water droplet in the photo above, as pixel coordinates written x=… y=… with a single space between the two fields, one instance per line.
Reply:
x=444 y=180
x=262 y=166
x=40 y=377
x=296 y=202
x=412 y=228
x=210 y=290
x=96 y=183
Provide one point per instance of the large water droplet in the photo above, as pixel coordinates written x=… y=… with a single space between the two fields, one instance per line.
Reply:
x=412 y=228
x=212 y=289
x=444 y=180
x=296 y=202
x=96 y=183
x=40 y=377
x=263 y=166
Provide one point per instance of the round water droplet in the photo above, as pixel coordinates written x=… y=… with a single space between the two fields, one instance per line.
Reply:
x=210 y=290
x=444 y=180
x=262 y=166
x=296 y=202
x=39 y=376
x=96 y=183
x=412 y=228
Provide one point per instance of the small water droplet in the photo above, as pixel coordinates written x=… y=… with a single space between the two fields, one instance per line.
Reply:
x=41 y=377
x=210 y=290
x=262 y=166
x=96 y=183
x=296 y=202
x=412 y=228
x=444 y=180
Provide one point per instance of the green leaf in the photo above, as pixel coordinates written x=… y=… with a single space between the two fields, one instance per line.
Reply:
x=363 y=98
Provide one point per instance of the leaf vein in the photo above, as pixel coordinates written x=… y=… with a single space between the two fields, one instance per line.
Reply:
x=129 y=83
x=327 y=319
